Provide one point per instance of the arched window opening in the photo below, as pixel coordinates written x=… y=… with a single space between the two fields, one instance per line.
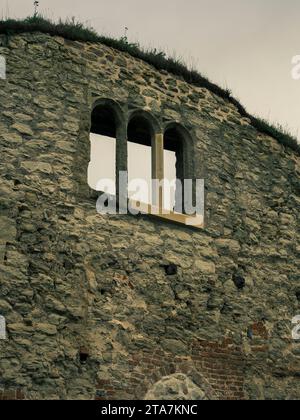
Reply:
x=152 y=161
x=102 y=167
x=169 y=194
x=140 y=138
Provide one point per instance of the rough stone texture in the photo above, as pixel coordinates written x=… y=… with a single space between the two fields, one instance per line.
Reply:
x=74 y=283
x=175 y=387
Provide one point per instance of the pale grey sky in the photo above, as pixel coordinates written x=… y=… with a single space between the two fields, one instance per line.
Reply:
x=102 y=168
x=246 y=45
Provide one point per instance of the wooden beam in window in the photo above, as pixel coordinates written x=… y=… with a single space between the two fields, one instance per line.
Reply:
x=158 y=157
x=196 y=221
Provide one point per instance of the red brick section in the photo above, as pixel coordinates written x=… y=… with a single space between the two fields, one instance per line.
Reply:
x=217 y=368
x=11 y=395
x=259 y=330
x=223 y=365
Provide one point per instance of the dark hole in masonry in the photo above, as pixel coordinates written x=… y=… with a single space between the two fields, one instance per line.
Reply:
x=100 y=393
x=298 y=295
x=250 y=333
x=239 y=281
x=83 y=355
x=68 y=264
x=171 y=269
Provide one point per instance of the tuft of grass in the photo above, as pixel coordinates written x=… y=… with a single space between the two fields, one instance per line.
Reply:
x=276 y=131
x=76 y=31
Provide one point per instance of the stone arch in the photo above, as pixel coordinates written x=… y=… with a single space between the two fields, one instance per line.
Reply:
x=141 y=114
x=116 y=116
x=184 y=132
x=183 y=136
x=142 y=130
x=119 y=118
x=114 y=107
x=179 y=140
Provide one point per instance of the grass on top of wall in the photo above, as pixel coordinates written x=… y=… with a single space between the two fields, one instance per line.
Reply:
x=78 y=32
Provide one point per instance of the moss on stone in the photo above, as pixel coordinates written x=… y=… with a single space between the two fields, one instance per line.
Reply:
x=78 y=32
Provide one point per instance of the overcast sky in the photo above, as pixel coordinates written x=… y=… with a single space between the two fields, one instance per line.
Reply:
x=246 y=45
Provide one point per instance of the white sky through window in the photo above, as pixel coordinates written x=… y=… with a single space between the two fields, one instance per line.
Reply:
x=103 y=166
x=103 y=162
x=139 y=167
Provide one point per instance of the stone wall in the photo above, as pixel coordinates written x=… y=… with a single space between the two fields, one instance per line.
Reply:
x=89 y=308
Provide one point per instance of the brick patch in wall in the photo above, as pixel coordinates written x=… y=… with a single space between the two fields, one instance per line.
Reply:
x=217 y=368
x=11 y=394
x=223 y=366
